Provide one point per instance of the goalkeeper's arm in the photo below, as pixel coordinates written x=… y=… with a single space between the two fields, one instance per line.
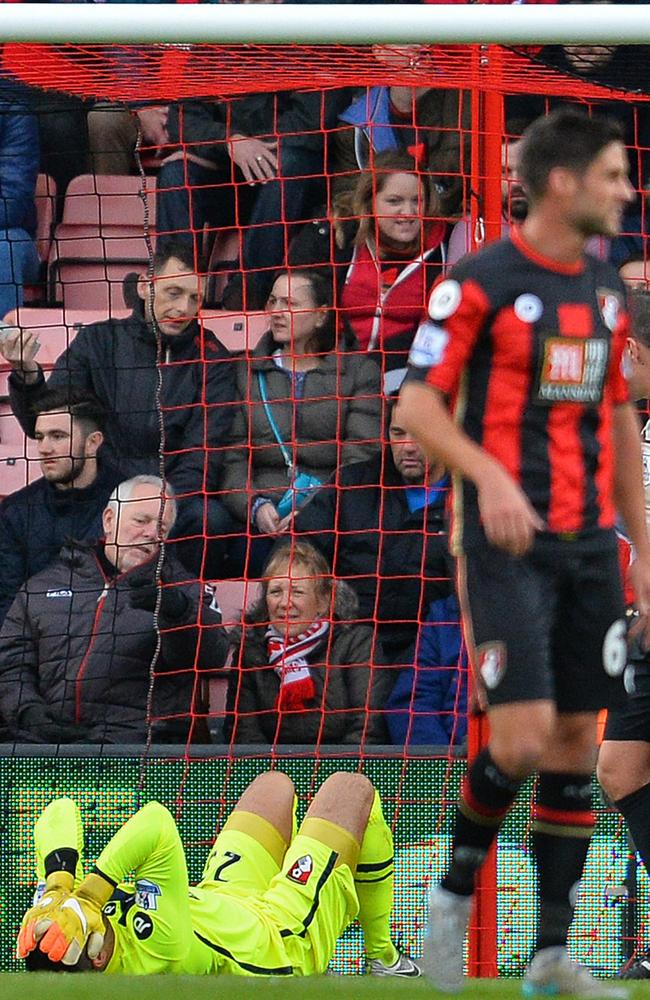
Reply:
x=149 y=837
x=58 y=839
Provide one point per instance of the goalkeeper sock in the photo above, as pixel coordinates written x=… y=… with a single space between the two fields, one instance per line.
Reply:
x=373 y=880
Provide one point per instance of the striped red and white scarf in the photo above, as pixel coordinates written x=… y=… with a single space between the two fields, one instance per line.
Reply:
x=288 y=655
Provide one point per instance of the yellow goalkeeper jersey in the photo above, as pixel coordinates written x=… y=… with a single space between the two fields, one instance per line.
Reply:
x=162 y=924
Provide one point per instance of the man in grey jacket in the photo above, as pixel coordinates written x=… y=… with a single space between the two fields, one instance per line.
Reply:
x=79 y=656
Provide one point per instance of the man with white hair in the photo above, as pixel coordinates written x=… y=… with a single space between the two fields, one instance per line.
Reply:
x=79 y=657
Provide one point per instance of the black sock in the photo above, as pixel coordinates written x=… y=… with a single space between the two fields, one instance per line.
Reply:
x=635 y=807
x=562 y=826
x=485 y=799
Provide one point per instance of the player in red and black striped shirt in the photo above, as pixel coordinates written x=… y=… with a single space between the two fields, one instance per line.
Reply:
x=524 y=342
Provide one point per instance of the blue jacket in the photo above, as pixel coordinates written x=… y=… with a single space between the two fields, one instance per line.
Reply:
x=371 y=113
x=19 y=166
x=432 y=694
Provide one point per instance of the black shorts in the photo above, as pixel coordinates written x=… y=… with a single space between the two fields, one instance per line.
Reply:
x=632 y=721
x=549 y=626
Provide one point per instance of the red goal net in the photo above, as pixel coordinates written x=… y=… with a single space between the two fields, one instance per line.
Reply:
x=253 y=158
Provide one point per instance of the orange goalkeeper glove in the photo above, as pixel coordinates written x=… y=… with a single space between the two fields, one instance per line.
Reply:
x=58 y=888
x=76 y=921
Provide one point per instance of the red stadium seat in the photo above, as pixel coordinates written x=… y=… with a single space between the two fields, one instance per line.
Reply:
x=99 y=240
x=237 y=331
x=56 y=328
x=233 y=597
x=106 y=200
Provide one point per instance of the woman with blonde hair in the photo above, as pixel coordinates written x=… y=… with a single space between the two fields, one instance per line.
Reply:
x=304 y=671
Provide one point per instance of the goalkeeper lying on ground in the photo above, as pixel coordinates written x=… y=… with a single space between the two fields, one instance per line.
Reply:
x=266 y=904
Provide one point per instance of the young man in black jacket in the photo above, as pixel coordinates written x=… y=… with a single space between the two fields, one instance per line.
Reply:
x=69 y=497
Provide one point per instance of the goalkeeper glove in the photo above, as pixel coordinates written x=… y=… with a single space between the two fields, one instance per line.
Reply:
x=76 y=921
x=58 y=888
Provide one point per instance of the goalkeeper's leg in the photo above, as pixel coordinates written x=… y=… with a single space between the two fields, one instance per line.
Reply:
x=373 y=880
x=251 y=846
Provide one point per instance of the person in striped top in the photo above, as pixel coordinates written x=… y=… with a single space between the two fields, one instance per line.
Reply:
x=524 y=342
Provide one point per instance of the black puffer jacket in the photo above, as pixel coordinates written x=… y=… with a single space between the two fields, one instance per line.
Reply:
x=38 y=520
x=72 y=640
x=395 y=559
x=116 y=359
x=349 y=675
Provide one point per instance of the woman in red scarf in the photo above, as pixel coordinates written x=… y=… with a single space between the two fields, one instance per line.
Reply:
x=304 y=671
x=386 y=249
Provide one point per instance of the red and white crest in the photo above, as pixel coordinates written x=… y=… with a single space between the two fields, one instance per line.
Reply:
x=301 y=870
x=492 y=664
x=609 y=305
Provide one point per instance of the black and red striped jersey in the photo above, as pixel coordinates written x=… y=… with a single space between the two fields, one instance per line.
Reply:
x=529 y=353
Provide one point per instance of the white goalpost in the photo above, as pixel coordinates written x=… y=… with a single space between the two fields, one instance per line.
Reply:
x=514 y=24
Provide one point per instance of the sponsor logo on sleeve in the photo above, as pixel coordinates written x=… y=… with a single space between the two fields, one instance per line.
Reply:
x=428 y=345
x=39 y=893
x=146 y=894
x=301 y=869
x=445 y=299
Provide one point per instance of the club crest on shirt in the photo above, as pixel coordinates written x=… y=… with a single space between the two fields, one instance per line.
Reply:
x=492 y=663
x=146 y=894
x=301 y=870
x=445 y=299
x=609 y=306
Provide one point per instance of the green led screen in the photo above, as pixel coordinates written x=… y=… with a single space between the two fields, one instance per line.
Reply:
x=415 y=792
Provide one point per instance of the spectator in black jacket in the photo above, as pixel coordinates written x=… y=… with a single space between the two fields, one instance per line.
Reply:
x=67 y=500
x=78 y=647
x=117 y=360
x=265 y=150
x=380 y=524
